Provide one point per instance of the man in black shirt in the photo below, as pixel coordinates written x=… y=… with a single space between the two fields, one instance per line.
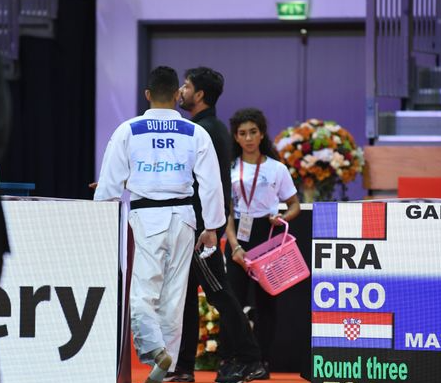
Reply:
x=238 y=350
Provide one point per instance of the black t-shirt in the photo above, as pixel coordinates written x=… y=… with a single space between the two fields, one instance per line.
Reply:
x=222 y=144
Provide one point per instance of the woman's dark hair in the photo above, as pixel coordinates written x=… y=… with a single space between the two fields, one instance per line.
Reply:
x=252 y=115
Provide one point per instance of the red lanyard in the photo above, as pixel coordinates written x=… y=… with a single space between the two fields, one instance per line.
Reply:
x=253 y=187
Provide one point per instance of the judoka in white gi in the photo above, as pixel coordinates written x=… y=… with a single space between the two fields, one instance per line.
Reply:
x=154 y=156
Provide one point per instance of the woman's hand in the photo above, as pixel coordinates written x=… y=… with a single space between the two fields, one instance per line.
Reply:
x=292 y=212
x=275 y=219
x=238 y=257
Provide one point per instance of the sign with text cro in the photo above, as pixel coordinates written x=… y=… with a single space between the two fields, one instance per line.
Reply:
x=59 y=292
x=376 y=283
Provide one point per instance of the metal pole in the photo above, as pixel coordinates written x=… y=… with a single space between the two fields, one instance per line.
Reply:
x=371 y=69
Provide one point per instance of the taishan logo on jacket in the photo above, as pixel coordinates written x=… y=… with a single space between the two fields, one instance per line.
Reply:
x=160 y=166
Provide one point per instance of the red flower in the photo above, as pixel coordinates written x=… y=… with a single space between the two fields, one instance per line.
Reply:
x=306 y=148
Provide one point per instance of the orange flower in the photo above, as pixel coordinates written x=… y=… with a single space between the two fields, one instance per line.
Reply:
x=308 y=182
x=303 y=172
x=323 y=174
x=202 y=331
x=200 y=350
x=348 y=175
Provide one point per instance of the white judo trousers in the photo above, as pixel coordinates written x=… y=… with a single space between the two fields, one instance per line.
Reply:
x=159 y=284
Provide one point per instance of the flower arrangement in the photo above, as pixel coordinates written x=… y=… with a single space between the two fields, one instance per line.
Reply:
x=207 y=357
x=319 y=155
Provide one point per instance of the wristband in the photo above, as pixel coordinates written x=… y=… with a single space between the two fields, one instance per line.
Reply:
x=238 y=247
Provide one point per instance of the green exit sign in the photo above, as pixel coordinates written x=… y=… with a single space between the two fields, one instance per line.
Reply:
x=292 y=10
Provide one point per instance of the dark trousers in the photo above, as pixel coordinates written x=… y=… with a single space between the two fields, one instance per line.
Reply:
x=249 y=292
x=236 y=337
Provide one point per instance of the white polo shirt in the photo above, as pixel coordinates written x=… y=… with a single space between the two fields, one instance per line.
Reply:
x=274 y=185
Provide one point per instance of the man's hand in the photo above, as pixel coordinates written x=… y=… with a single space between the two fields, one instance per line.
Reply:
x=208 y=238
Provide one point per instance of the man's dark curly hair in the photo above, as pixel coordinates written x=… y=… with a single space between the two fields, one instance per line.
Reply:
x=207 y=80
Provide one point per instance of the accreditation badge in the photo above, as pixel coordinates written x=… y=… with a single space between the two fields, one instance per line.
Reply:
x=245 y=226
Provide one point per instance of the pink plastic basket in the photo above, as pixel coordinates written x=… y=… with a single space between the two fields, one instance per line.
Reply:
x=277 y=264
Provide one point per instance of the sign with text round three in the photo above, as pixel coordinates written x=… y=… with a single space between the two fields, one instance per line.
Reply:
x=376 y=288
x=59 y=292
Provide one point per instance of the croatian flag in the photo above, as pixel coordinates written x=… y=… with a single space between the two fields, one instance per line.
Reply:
x=352 y=329
x=349 y=220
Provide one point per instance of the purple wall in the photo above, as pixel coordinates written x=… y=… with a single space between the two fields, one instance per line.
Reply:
x=290 y=82
x=117 y=88
x=336 y=87
x=267 y=81
x=336 y=82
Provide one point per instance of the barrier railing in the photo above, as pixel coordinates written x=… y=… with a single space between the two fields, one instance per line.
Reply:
x=9 y=29
x=39 y=8
x=395 y=30
x=18 y=17
x=427 y=26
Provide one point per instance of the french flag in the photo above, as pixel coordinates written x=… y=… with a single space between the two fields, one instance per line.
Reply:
x=352 y=329
x=365 y=220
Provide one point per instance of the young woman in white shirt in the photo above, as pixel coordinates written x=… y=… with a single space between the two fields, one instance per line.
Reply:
x=259 y=183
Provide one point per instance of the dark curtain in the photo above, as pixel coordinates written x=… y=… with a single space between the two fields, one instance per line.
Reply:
x=52 y=138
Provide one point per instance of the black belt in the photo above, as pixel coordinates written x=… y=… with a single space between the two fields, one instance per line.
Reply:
x=146 y=202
